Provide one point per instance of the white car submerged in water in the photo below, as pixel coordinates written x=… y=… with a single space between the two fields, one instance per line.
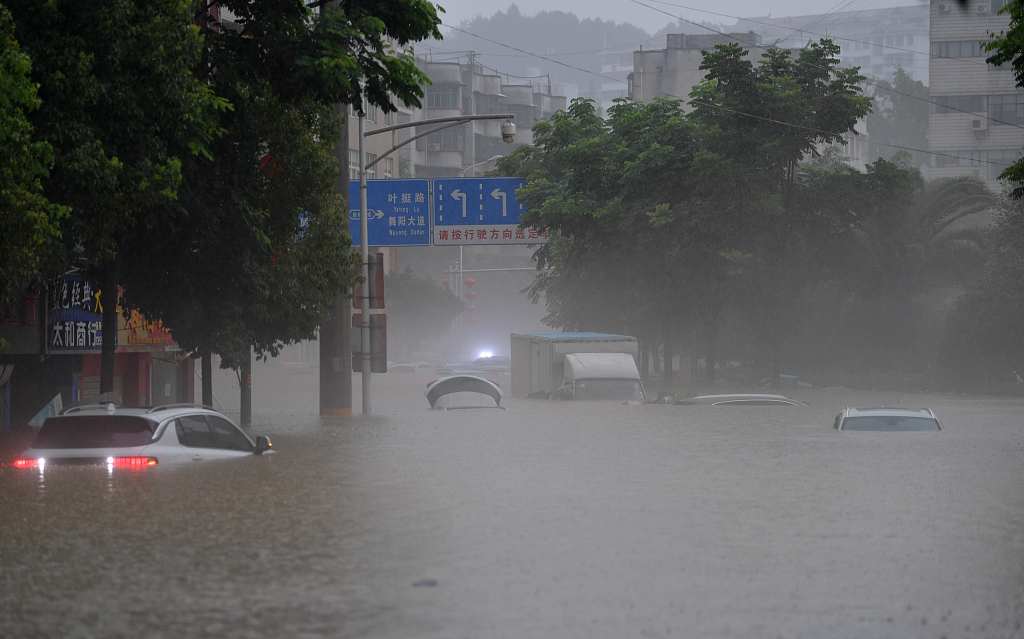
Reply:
x=104 y=434
x=887 y=420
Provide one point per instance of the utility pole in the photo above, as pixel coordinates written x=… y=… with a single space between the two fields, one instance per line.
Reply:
x=471 y=148
x=472 y=168
x=365 y=249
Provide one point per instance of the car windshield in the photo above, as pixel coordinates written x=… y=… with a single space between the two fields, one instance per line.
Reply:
x=94 y=431
x=617 y=389
x=890 y=423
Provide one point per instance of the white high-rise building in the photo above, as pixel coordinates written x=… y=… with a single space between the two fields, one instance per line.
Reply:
x=976 y=126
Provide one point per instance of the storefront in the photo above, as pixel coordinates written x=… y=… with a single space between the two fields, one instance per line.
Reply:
x=62 y=355
x=149 y=367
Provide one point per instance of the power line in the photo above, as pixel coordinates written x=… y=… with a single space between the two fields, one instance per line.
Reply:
x=843 y=4
x=553 y=54
x=873 y=81
x=743 y=113
x=796 y=29
x=534 y=55
x=901 y=147
x=755 y=116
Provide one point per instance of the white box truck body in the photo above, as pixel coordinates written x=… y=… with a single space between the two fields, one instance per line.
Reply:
x=538 y=359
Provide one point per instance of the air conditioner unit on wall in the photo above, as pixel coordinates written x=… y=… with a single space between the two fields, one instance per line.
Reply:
x=979 y=126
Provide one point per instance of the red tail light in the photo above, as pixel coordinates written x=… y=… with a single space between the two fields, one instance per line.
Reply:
x=25 y=462
x=133 y=462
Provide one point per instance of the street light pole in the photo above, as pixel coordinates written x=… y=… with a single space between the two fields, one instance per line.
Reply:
x=364 y=234
x=508 y=132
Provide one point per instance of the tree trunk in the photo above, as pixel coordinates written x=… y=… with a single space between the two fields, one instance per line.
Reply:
x=668 y=355
x=245 y=388
x=711 y=350
x=109 y=300
x=776 y=364
x=207 y=374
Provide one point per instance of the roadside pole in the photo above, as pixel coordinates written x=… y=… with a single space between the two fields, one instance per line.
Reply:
x=508 y=132
x=367 y=357
x=245 y=383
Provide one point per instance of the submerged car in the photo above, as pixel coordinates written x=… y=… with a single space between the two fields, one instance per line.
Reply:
x=445 y=386
x=740 y=399
x=887 y=419
x=104 y=434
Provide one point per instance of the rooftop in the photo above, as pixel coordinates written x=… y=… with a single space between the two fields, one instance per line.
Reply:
x=888 y=412
x=581 y=336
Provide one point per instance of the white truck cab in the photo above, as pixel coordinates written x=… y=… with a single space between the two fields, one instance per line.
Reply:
x=612 y=376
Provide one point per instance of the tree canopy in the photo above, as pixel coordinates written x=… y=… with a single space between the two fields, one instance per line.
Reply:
x=29 y=222
x=729 y=229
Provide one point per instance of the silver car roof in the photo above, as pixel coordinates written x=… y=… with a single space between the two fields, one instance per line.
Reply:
x=889 y=412
x=156 y=413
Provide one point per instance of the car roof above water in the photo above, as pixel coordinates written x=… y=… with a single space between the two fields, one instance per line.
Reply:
x=889 y=412
x=156 y=413
x=739 y=396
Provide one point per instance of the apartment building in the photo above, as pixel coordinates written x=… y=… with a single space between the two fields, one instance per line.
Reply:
x=675 y=70
x=462 y=89
x=976 y=126
x=878 y=40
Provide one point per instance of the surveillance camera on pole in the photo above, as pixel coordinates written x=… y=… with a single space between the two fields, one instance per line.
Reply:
x=508 y=131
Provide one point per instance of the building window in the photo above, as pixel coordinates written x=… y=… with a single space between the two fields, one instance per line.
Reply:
x=1008 y=109
x=353 y=164
x=959 y=49
x=998 y=4
x=371 y=173
x=389 y=167
x=443 y=97
x=453 y=139
x=958 y=104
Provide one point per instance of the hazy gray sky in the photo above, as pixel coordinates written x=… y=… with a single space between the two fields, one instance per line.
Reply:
x=457 y=11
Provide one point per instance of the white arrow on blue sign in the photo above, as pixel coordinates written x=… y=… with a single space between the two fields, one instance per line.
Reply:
x=477 y=201
x=398 y=212
x=480 y=211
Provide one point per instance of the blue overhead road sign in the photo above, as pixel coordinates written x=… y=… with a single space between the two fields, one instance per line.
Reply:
x=397 y=212
x=480 y=211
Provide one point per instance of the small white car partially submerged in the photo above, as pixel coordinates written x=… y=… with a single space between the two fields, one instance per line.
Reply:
x=104 y=434
x=887 y=419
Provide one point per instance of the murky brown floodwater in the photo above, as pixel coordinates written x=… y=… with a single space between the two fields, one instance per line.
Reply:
x=546 y=520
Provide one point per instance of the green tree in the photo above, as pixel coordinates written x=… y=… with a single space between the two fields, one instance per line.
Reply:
x=29 y=223
x=617 y=196
x=984 y=346
x=260 y=249
x=760 y=122
x=122 y=111
x=899 y=117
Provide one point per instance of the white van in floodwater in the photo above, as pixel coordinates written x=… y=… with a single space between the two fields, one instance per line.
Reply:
x=610 y=376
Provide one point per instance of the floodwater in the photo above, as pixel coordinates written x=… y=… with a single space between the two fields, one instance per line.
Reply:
x=550 y=519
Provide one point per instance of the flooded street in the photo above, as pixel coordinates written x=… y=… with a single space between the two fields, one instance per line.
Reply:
x=550 y=519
